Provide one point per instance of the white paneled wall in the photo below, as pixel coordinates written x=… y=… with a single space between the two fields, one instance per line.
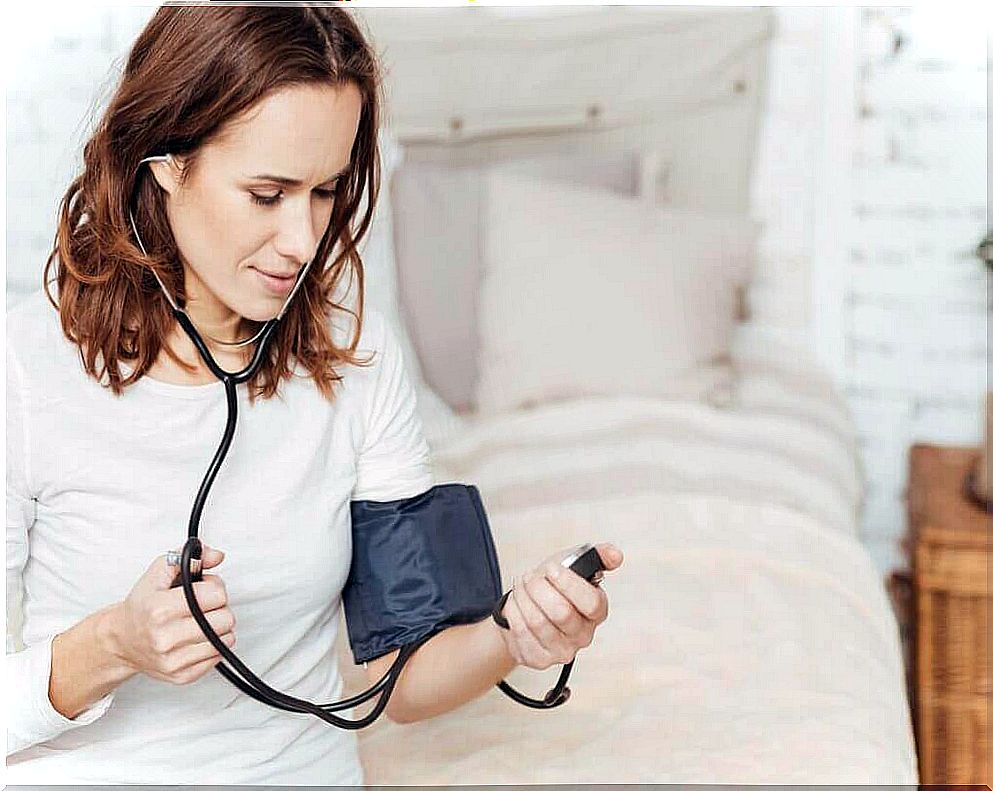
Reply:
x=63 y=68
x=904 y=296
x=916 y=306
x=782 y=183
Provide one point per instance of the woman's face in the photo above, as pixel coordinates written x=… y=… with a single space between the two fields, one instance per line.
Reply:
x=259 y=200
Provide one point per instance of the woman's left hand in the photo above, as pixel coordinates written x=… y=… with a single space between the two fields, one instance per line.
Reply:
x=553 y=612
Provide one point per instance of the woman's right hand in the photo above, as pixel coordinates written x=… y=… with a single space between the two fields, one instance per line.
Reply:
x=156 y=633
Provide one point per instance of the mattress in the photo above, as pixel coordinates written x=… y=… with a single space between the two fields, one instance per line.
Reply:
x=749 y=639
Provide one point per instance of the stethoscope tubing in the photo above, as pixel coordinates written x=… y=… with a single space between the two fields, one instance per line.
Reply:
x=249 y=683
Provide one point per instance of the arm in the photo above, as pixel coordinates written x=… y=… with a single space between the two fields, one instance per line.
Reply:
x=462 y=662
x=85 y=665
x=73 y=662
x=61 y=682
x=455 y=666
x=395 y=462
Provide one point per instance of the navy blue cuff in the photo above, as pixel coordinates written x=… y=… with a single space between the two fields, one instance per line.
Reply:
x=419 y=565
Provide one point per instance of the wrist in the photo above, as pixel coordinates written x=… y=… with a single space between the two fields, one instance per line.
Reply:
x=84 y=666
x=504 y=641
x=107 y=627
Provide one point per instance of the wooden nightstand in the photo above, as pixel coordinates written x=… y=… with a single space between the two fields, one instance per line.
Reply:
x=950 y=542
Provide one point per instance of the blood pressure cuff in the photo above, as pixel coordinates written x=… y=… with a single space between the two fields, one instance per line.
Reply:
x=419 y=565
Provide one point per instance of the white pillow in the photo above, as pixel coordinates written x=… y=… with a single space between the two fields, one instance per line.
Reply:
x=437 y=232
x=379 y=266
x=586 y=292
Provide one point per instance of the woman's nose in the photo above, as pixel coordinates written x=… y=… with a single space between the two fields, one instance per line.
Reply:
x=297 y=239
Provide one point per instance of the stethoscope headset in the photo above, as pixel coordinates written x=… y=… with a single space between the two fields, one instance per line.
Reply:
x=190 y=559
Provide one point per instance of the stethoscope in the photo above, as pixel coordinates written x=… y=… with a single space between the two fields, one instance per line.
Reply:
x=192 y=553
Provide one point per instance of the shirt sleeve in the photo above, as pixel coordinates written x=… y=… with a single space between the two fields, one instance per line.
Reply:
x=394 y=461
x=31 y=717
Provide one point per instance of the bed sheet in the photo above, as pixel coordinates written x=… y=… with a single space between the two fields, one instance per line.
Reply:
x=749 y=639
x=746 y=643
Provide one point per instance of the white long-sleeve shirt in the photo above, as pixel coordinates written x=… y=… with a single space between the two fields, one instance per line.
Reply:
x=99 y=486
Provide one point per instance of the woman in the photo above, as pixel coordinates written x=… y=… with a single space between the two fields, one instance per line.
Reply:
x=270 y=118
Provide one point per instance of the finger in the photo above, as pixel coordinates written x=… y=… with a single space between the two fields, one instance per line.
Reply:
x=610 y=554
x=163 y=573
x=208 y=593
x=200 y=669
x=204 y=655
x=214 y=592
x=211 y=557
x=191 y=654
x=587 y=598
x=547 y=633
x=532 y=651
x=556 y=604
x=189 y=631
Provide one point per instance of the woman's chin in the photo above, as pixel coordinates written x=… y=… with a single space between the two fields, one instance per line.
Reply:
x=260 y=309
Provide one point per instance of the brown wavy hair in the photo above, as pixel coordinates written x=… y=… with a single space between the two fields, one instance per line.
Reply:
x=192 y=69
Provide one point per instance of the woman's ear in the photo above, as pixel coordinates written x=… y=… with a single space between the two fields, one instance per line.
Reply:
x=167 y=173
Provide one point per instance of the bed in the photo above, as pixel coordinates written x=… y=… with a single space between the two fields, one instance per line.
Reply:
x=750 y=639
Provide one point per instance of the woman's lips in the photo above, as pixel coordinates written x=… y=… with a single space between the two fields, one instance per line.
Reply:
x=276 y=285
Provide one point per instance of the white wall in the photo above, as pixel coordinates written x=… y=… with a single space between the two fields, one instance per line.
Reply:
x=870 y=176
x=783 y=180
x=916 y=305
x=62 y=67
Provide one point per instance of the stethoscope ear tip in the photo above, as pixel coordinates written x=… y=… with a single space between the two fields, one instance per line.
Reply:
x=157 y=158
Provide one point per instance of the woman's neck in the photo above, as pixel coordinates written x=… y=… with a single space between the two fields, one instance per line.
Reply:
x=228 y=357
x=224 y=324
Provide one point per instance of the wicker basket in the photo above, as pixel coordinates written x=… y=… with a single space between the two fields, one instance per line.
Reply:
x=982 y=470
x=951 y=540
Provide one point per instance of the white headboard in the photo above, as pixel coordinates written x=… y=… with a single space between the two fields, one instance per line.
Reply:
x=474 y=84
x=684 y=86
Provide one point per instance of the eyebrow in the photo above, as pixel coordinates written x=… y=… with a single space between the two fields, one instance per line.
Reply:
x=288 y=182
